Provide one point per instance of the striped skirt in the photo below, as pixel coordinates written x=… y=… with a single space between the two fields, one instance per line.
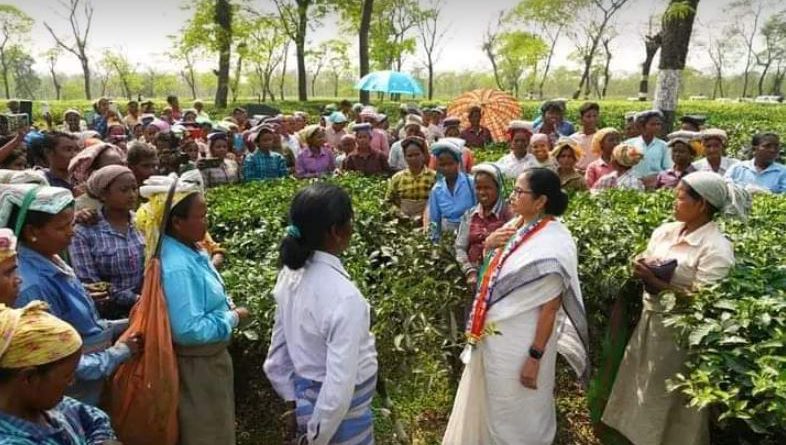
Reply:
x=357 y=428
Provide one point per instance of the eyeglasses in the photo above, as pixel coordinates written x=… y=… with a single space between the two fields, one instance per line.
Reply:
x=517 y=191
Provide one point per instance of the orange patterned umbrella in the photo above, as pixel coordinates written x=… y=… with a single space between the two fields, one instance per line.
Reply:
x=498 y=109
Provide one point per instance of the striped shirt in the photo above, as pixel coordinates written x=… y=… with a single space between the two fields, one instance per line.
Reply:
x=100 y=253
x=406 y=185
x=70 y=422
x=264 y=165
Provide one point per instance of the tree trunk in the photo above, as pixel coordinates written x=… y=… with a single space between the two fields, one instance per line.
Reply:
x=222 y=15
x=236 y=80
x=430 y=80
x=86 y=73
x=300 y=51
x=335 y=86
x=606 y=72
x=584 y=77
x=548 y=61
x=5 y=75
x=676 y=39
x=55 y=83
x=777 y=81
x=365 y=24
x=651 y=46
x=284 y=71
x=762 y=76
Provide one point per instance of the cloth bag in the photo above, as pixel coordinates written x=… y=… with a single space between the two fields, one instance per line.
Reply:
x=143 y=394
x=468 y=421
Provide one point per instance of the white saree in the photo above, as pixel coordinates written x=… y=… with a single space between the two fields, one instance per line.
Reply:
x=492 y=407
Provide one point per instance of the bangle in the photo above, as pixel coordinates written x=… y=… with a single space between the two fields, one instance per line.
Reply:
x=535 y=353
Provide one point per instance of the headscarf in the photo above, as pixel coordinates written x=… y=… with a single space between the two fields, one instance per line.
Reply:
x=31 y=336
x=518 y=125
x=626 y=155
x=714 y=133
x=597 y=139
x=51 y=200
x=447 y=145
x=306 y=133
x=80 y=166
x=496 y=174
x=7 y=244
x=690 y=138
x=100 y=180
x=71 y=111
x=155 y=190
x=570 y=143
x=161 y=125
x=539 y=137
x=725 y=196
x=28 y=176
x=644 y=116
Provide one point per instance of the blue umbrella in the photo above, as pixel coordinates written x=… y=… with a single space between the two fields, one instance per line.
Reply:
x=389 y=82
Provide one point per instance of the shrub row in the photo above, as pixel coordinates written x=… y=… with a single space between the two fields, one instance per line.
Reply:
x=736 y=330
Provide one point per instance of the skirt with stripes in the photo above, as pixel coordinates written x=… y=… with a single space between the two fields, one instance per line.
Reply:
x=357 y=428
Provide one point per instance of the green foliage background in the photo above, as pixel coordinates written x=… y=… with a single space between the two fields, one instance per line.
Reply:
x=736 y=329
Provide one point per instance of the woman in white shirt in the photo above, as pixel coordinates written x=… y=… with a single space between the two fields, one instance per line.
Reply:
x=322 y=356
x=715 y=159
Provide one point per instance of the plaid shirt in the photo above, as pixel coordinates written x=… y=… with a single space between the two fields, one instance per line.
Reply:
x=100 y=253
x=70 y=422
x=264 y=165
x=405 y=185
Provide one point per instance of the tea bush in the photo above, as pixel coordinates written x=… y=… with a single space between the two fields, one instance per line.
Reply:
x=736 y=329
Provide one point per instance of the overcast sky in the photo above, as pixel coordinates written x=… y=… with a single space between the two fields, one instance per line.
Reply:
x=139 y=28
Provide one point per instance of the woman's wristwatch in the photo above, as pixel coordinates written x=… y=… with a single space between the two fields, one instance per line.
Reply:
x=535 y=353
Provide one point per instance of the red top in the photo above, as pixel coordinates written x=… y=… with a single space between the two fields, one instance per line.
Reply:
x=477 y=138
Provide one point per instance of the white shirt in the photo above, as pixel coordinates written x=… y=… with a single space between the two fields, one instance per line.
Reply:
x=703 y=165
x=512 y=166
x=293 y=143
x=321 y=333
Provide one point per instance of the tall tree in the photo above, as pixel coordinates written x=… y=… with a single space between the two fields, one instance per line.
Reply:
x=52 y=55
x=606 y=67
x=26 y=80
x=489 y=45
x=80 y=29
x=187 y=57
x=747 y=15
x=14 y=27
x=222 y=17
x=391 y=33
x=296 y=17
x=550 y=19
x=774 y=33
x=721 y=49
x=267 y=45
x=363 y=32
x=338 y=63
x=677 y=28
x=284 y=70
x=517 y=52
x=430 y=39
x=117 y=62
x=588 y=40
x=652 y=43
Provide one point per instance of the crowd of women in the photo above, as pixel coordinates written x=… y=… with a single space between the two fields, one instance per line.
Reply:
x=81 y=211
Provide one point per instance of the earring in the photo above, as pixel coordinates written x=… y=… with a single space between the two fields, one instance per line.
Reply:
x=33 y=239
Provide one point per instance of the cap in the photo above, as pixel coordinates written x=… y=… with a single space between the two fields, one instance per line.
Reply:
x=337 y=117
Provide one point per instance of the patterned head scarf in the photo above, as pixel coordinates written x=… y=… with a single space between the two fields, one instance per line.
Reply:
x=496 y=174
x=569 y=143
x=690 y=138
x=724 y=195
x=23 y=177
x=599 y=136
x=519 y=125
x=155 y=190
x=51 y=200
x=626 y=155
x=7 y=244
x=447 y=145
x=81 y=164
x=717 y=133
x=538 y=138
x=100 y=180
x=31 y=336
x=307 y=133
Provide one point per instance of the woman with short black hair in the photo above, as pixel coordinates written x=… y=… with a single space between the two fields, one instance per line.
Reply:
x=322 y=355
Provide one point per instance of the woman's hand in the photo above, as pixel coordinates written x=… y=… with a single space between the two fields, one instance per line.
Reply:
x=135 y=342
x=242 y=314
x=529 y=373
x=87 y=217
x=642 y=272
x=218 y=260
x=472 y=279
x=498 y=238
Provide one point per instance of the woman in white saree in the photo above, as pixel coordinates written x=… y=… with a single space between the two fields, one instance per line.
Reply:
x=528 y=308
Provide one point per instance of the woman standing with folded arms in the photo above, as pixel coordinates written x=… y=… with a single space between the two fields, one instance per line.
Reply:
x=322 y=357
